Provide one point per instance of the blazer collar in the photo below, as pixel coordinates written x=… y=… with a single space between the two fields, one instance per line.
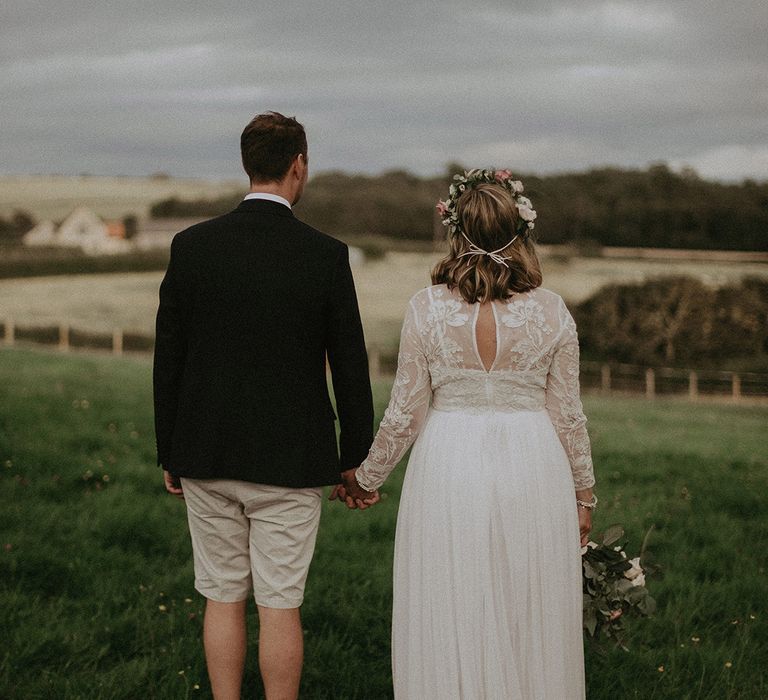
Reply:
x=263 y=206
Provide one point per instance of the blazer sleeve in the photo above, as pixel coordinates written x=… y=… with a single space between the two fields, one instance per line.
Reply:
x=348 y=360
x=170 y=354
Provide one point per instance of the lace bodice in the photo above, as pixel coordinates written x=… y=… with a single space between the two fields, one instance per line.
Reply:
x=536 y=368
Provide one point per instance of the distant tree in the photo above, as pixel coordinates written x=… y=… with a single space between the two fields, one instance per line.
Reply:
x=675 y=321
x=173 y=207
x=13 y=229
x=454 y=168
x=657 y=322
x=131 y=226
x=602 y=207
x=740 y=322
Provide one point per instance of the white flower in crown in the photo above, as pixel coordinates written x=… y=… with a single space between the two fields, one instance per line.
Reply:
x=526 y=214
x=471 y=178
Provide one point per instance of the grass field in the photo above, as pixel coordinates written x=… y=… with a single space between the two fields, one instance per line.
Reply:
x=101 y=302
x=95 y=564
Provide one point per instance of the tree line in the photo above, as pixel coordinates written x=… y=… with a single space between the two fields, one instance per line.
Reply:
x=677 y=322
x=655 y=207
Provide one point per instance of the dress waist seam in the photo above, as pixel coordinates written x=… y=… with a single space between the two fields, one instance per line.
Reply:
x=489 y=410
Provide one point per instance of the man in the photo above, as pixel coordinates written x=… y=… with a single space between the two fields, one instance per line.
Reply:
x=252 y=304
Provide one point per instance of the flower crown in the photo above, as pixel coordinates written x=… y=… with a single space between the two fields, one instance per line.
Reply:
x=472 y=178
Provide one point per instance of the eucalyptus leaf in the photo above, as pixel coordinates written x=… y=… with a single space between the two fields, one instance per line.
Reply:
x=612 y=534
x=590 y=622
x=647 y=605
x=636 y=594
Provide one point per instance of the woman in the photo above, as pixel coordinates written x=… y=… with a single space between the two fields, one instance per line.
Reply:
x=498 y=491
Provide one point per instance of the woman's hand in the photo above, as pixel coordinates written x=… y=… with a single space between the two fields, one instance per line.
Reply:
x=585 y=514
x=585 y=524
x=350 y=492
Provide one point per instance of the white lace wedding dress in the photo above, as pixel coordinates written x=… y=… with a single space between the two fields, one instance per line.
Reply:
x=487 y=572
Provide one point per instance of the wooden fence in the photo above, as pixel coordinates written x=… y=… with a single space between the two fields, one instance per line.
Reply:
x=613 y=378
x=66 y=338
x=672 y=381
x=596 y=377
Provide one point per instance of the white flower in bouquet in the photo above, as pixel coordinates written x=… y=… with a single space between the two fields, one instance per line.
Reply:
x=635 y=570
x=613 y=586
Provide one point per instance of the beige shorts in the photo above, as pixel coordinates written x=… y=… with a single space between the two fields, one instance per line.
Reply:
x=251 y=537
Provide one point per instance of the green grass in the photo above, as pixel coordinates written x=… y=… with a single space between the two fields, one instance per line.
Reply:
x=86 y=562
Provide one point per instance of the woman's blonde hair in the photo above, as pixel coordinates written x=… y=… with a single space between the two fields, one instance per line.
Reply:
x=488 y=217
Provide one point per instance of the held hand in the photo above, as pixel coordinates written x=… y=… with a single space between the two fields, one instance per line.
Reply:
x=173 y=484
x=352 y=494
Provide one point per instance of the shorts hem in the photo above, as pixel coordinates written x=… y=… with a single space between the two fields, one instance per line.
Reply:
x=278 y=603
x=223 y=596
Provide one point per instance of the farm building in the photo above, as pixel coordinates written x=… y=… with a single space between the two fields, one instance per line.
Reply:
x=81 y=229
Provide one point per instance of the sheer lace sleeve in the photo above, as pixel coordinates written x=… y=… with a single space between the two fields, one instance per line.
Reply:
x=407 y=408
x=564 y=404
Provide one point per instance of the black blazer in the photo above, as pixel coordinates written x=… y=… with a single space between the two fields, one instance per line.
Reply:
x=250 y=306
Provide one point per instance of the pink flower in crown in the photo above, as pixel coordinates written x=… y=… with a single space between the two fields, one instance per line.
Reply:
x=442 y=208
x=502 y=175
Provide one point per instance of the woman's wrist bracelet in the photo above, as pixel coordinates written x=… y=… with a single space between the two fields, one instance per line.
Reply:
x=589 y=505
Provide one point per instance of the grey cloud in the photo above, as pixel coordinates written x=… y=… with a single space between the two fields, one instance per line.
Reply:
x=112 y=87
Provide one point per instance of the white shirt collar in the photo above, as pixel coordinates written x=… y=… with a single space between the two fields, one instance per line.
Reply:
x=268 y=196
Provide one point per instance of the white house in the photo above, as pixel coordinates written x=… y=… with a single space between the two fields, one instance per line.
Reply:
x=81 y=229
x=85 y=230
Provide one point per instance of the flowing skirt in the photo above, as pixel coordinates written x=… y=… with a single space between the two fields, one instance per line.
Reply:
x=487 y=572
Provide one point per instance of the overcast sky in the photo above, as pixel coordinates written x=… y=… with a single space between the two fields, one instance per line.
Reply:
x=141 y=87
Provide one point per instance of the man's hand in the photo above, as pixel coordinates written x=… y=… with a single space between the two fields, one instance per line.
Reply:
x=173 y=484
x=352 y=494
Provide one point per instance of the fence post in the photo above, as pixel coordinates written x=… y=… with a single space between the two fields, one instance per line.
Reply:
x=736 y=386
x=117 y=341
x=10 y=332
x=63 y=337
x=693 y=385
x=374 y=362
x=605 y=379
x=650 y=383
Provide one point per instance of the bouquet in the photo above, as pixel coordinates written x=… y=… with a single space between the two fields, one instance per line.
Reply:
x=614 y=586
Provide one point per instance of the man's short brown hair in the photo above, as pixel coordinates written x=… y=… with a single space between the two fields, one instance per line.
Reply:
x=269 y=145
